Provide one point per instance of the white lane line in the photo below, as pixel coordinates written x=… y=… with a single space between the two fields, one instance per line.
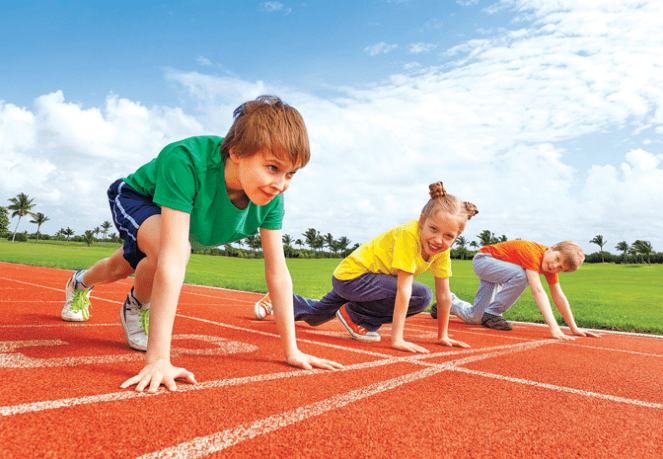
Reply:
x=203 y=446
x=584 y=393
x=206 y=445
x=646 y=354
x=275 y=335
x=128 y=394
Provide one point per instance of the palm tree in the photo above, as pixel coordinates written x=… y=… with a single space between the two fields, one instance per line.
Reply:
x=96 y=232
x=319 y=242
x=329 y=241
x=462 y=243
x=644 y=248
x=343 y=243
x=4 y=221
x=254 y=242
x=105 y=226
x=68 y=232
x=311 y=236
x=487 y=238
x=300 y=243
x=20 y=205
x=287 y=240
x=39 y=219
x=88 y=237
x=598 y=240
x=60 y=233
x=623 y=247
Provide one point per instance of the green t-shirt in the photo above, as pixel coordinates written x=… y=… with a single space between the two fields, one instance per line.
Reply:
x=188 y=176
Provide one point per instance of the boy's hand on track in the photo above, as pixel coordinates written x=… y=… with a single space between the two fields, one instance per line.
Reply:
x=157 y=373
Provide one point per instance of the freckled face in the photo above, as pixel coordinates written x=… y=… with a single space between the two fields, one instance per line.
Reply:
x=438 y=233
x=552 y=262
x=263 y=175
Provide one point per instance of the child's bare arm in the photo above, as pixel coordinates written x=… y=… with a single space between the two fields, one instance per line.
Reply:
x=564 y=308
x=279 y=284
x=542 y=301
x=173 y=254
x=443 y=298
x=403 y=295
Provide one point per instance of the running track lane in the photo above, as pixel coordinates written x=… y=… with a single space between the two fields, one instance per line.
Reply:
x=515 y=394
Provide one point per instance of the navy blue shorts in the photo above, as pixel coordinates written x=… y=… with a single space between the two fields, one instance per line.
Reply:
x=130 y=209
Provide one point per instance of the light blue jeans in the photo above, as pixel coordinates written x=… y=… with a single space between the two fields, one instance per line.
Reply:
x=369 y=301
x=501 y=285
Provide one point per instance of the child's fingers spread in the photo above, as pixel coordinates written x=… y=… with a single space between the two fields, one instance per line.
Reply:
x=414 y=348
x=329 y=365
x=170 y=384
x=190 y=378
x=130 y=382
x=155 y=383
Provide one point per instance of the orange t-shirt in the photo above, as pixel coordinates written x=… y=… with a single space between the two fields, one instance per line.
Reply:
x=528 y=255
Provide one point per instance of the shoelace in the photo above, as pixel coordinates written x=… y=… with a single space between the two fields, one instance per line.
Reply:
x=80 y=303
x=144 y=320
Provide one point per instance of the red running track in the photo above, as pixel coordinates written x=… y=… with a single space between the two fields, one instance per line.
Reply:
x=514 y=394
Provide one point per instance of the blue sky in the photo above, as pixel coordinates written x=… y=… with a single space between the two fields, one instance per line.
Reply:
x=547 y=115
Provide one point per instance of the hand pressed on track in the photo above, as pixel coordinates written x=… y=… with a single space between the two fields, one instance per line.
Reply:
x=451 y=342
x=403 y=345
x=156 y=373
x=308 y=362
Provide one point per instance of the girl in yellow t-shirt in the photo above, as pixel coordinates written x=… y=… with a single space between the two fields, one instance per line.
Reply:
x=375 y=284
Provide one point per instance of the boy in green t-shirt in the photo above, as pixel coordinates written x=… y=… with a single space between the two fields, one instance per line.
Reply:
x=204 y=191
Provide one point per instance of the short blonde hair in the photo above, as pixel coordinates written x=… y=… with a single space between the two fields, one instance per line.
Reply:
x=449 y=204
x=572 y=254
x=268 y=122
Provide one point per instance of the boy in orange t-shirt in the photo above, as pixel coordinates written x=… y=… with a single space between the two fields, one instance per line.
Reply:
x=505 y=271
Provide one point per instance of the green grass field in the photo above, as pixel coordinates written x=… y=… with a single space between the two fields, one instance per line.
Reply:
x=604 y=296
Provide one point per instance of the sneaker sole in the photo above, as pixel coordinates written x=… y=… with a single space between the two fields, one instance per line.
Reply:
x=355 y=335
x=70 y=319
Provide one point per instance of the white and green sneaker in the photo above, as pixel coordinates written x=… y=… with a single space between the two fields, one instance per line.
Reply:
x=135 y=318
x=77 y=301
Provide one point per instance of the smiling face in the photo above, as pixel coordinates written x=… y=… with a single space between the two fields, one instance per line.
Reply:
x=553 y=262
x=260 y=177
x=438 y=233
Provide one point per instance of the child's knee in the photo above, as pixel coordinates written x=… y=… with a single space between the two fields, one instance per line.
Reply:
x=422 y=295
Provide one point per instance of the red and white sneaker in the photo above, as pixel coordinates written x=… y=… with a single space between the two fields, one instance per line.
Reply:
x=357 y=331
x=263 y=308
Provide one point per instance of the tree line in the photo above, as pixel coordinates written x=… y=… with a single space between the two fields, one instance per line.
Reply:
x=21 y=205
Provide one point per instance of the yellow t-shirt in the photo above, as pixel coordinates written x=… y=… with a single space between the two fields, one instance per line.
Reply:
x=396 y=249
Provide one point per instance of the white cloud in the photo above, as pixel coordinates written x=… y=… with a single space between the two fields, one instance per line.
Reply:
x=65 y=156
x=494 y=125
x=378 y=48
x=275 y=6
x=204 y=61
x=418 y=48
